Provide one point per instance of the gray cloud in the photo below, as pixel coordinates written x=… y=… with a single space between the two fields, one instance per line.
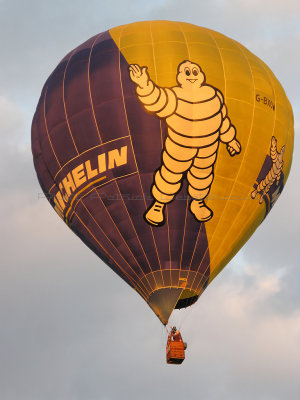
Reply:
x=35 y=35
x=269 y=29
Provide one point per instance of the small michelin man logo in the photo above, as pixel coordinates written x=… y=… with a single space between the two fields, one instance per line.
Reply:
x=196 y=117
x=269 y=183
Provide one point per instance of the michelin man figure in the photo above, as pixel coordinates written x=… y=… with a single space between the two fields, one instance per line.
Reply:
x=196 y=119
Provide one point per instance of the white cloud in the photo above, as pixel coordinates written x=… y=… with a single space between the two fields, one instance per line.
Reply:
x=11 y=123
x=273 y=6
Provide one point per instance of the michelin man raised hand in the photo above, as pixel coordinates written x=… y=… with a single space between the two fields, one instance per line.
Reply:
x=197 y=121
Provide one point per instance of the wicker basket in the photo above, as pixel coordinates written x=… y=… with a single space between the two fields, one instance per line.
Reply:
x=175 y=352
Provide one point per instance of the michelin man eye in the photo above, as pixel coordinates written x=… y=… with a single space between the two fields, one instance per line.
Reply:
x=195 y=71
x=187 y=71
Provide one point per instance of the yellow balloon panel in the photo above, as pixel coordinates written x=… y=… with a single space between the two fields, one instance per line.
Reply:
x=245 y=186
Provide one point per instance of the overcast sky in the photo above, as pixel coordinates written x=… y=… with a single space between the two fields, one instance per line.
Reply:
x=63 y=336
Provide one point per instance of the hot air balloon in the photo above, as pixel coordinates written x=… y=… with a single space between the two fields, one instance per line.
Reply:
x=163 y=146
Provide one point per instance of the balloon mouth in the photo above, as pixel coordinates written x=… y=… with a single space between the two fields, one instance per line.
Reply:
x=187 y=298
x=163 y=301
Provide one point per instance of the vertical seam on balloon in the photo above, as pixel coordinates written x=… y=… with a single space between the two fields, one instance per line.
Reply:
x=186 y=209
x=222 y=61
x=274 y=90
x=125 y=112
x=89 y=82
x=94 y=186
x=97 y=186
x=224 y=76
x=46 y=126
x=287 y=138
x=167 y=214
x=41 y=156
x=187 y=201
x=192 y=258
x=136 y=233
x=288 y=130
x=133 y=279
x=167 y=217
x=120 y=268
x=215 y=230
x=126 y=244
x=274 y=123
x=52 y=187
x=244 y=153
x=246 y=223
x=63 y=98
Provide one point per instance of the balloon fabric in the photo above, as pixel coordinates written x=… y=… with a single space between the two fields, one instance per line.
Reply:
x=163 y=146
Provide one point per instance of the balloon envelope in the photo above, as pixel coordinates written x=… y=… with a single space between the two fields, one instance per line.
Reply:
x=163 y=146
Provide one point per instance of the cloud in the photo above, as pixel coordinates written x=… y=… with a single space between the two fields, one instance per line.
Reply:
x=269 y=29
x=36 y=35
x=16 y=167
x=11 y=123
